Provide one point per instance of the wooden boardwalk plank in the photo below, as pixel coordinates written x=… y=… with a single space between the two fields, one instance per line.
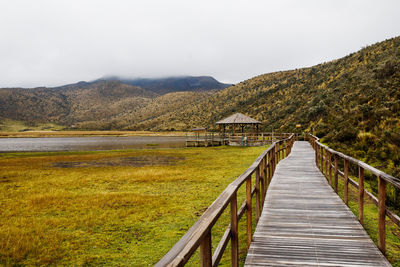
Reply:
x=304 y=223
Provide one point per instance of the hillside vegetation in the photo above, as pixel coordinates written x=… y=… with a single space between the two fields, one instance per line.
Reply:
x=70 y=104
x=353 y=103
x=175 y=84
x=101 y=105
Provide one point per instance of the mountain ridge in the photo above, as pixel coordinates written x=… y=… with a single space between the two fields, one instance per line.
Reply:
x=95 y=104
x=352 y=103
x=174 y=83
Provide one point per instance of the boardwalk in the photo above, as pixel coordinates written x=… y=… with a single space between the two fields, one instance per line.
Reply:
x=304 y=223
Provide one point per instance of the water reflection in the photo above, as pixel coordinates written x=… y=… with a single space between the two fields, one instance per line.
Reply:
x=89 y=143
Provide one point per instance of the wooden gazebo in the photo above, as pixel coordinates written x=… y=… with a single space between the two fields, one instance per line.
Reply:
x=238 y=120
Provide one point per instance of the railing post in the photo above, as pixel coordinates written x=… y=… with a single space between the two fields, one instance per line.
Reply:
x=273 y=161
x=322 y=159
x=267 y=163
x=326 y=164
x=248 y=211
x=258 y=209
x=316 y=154
x=262 y=184
x=265 y=175
x=275 y=156
x=381 y=214
x=234 y=232
x=277 y=148
x=205 y=251
x=346 y=182
x=330 y=168
x=361 y=194
x=269 y=167
x=336 y=173
x=284 y=152
x=287 y=146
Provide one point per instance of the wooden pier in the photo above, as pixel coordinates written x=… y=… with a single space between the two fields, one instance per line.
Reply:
x=203 y=140
x=305 y=223
x=300 y=220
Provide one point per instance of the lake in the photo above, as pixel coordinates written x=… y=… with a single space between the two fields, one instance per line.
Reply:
x=89 y=143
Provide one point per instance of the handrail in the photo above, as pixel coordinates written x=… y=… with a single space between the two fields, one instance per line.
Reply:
x=323 y=159
x=199 y=235
x=243 y=139
x=388 y=178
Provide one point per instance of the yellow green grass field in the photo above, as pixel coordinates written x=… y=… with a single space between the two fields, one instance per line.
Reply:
x=12 y=128
x=114 y=208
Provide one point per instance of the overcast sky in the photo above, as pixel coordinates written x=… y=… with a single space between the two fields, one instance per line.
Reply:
x=50 y=43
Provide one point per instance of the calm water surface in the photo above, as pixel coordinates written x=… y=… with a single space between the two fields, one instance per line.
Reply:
x=89 y=143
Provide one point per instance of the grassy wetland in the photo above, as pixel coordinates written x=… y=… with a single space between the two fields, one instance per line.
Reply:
x=126 y=207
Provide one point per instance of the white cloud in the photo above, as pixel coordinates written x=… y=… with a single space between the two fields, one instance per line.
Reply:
x=54 y=42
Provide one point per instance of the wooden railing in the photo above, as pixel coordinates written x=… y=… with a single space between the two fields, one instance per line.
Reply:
x=238 y=139
x=254 y=139
x=203 y=139
x=199 y=235
x=327 y=161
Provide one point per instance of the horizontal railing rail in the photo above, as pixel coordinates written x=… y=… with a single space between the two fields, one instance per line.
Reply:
x=199 y=235
x=275 y=136
x=327 y=161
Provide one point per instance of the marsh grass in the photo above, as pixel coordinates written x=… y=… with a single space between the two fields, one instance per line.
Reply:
x=109 y=215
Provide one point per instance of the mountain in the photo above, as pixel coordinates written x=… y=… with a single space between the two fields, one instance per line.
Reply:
x=102 y=104
x=353 y=103
x=174 y=84
x=72 y=103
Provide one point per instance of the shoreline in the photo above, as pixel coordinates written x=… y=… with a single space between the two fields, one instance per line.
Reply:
x=39 y=134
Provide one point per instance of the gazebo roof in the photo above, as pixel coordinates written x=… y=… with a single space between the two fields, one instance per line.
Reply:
x=238 y=118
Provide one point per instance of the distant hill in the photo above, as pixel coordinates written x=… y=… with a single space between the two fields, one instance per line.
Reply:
x=174 y=84
x=72 y=103
x=104 y=103
x=353 y=103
